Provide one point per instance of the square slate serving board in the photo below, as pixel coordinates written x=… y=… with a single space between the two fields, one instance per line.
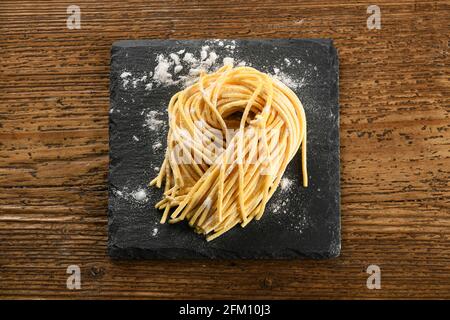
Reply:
x=298 y=222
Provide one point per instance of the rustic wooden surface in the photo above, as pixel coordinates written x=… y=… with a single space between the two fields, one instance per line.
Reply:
x=395 y=137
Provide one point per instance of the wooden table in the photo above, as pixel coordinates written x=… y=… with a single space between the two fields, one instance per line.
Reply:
x=395 y=136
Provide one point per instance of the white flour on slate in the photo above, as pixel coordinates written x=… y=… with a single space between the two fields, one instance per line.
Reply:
x=286 y=184
x=135 y=81
x=140 y=195
x=153 y=121
x=287 y=79
x=184 y=67
x=156 y=146
x=125 y=78
x=136 y=196
x=280 y=205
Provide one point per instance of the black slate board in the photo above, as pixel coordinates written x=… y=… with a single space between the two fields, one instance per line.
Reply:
x=298 y=222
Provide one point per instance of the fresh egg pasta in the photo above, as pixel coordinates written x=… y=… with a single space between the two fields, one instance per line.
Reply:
x=231 y=136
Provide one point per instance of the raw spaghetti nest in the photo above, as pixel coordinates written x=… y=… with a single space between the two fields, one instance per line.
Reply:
x=231 y=137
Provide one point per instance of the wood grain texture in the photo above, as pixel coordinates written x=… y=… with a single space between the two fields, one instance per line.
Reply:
x=395 y=137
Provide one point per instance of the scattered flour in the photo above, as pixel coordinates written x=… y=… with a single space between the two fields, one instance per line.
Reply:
x=204 y=54
x=299 y=219
x=183 y=67
x=140 y=195
x=137 y=196
x=177 y=69
x=137 y=80
x=287 y=79
x=189 y=58
x=300 y=224
x=286 y=184
x=161 y=74
x=152 y=122
x=125 y=78
x=295 y=220
x=156 y=146
x=175 y=58
x=280 y=204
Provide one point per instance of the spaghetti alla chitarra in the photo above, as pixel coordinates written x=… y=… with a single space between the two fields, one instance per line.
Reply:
x=231 y=136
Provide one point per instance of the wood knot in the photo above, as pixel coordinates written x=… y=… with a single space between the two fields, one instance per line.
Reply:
x=97 y=272
x=267 y=283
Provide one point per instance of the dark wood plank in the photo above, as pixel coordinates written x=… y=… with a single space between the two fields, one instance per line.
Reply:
x=395 y=136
